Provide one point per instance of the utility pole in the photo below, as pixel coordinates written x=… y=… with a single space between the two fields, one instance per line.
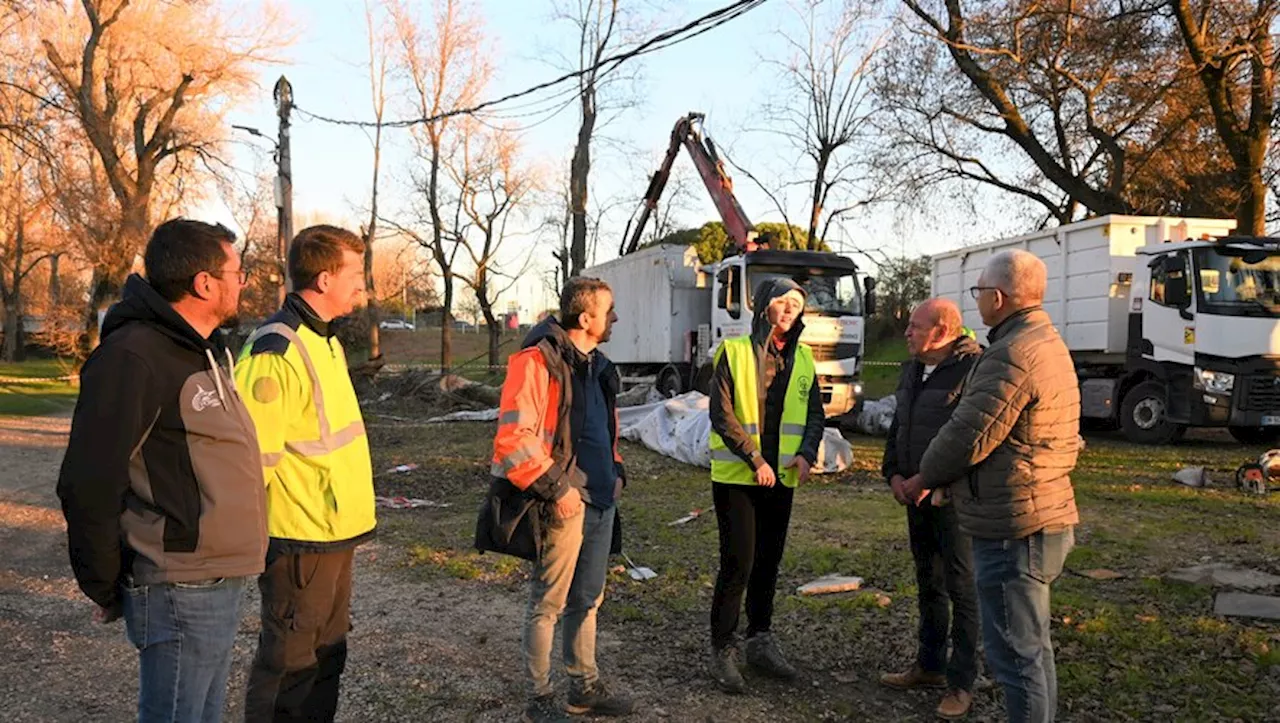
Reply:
x=283 y=95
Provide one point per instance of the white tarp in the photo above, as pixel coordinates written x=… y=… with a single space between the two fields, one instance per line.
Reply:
x=680 y=427
x=876 y=416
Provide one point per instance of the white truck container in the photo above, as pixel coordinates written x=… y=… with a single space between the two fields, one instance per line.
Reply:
x=673 y=312
x=1172 y=323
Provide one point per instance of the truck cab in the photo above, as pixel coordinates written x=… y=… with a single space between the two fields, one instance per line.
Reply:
x=833 y=316
x=1204 y=340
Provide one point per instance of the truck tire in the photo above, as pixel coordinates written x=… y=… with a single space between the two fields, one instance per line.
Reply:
x=1255 y=435
x=670 y=383
x=1144 y=416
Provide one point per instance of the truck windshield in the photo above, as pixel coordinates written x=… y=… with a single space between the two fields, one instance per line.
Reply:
x=831 y=292
x=1238 y=282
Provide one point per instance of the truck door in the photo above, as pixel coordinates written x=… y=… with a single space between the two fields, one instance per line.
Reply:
x=730 y=316
x=1168 y=319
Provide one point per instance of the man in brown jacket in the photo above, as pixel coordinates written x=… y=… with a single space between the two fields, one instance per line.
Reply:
x=1016 y=432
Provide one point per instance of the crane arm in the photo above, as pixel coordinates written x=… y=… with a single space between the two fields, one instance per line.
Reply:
x=688 y=133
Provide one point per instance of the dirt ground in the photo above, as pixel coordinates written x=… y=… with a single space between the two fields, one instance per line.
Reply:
x=422 y=649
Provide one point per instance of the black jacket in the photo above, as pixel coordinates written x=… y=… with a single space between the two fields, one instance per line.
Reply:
x=772 y=376
x=924 y=406
x=514 y=521
x=162 y=479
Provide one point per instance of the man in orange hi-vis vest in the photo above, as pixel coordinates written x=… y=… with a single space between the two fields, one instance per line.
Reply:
x=557 y=477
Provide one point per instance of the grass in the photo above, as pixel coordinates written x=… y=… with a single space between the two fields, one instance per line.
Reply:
x=879 y=380
x=31 y=398
x=1138 y=648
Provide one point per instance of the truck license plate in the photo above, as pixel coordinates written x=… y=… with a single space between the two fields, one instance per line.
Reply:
x=1271 y=421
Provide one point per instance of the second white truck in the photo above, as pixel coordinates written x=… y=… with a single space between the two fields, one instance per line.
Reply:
x=1172 y=322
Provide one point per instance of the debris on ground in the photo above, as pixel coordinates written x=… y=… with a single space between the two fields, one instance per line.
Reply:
x=680 y=428
x=638 y=573
x=484 y=415
x=407 y=503
x=401 y=469
x=430 y=391
x=874 y=419
x=693 y=515
x=639 y=394
x=1101 y=573
x=831 y=584
x=1221 y=574
x=1192 y=477
x=1244 y=605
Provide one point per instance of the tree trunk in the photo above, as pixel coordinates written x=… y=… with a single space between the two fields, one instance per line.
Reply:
x=1251 y=214
x=495 y=332
x=13 y=342
x=446 y=326
x=371 y=303
x=579 y=170
x=815 y=213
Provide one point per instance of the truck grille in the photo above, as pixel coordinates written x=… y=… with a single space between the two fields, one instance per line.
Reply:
x=1263 y=393
x=831 y=352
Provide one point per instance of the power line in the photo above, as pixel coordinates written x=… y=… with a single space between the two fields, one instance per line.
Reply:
x=693 y=29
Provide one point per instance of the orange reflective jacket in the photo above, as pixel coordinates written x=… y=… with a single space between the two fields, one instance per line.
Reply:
x=532 y=449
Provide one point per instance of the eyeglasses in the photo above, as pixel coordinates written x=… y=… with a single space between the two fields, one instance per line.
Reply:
x=242 y=273
x=976 y=291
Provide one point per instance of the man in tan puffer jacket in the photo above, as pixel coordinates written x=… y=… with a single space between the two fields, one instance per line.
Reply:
x=1016 y=433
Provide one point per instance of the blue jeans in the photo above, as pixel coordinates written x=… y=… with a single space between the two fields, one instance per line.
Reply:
x=184 y=633
x=1013 y=578
x=569 y=579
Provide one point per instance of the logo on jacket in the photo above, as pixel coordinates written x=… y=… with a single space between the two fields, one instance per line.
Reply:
x=803 y=384
x=204 y=400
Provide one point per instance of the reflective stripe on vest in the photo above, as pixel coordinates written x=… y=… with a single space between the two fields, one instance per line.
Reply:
x=329 y=441
x=729 y=467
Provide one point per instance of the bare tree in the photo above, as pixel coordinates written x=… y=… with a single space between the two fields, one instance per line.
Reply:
x=379 y=41
x=827 y=107
x=1075 y=90
x=446 y=68
x=145 y=105
x=602 y=28
x=491 y=186
x=1232 y=50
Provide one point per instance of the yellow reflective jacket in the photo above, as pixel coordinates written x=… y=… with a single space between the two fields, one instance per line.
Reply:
x=315 y=454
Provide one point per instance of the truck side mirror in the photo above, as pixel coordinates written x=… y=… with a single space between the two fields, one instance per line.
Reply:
x=722 y=295
x=869 y=297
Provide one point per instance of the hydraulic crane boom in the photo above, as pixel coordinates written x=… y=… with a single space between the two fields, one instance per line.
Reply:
x=688 y=132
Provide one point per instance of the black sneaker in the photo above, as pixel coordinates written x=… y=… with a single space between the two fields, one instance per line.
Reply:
x=543 y=709
x=722 y=666
x=596 y=699
x=763 y=655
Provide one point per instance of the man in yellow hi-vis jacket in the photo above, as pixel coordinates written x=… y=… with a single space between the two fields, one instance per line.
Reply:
x=319 y=480
x=766 y=421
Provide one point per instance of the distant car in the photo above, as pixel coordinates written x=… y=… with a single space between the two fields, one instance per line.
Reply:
x=460 y=325
x=400 y=324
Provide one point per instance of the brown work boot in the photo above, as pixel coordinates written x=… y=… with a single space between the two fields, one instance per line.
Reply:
x=955 y=704
x=913 y=677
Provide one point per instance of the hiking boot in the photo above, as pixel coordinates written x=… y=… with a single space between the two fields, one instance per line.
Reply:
x=914 y=677
x=596 y=699
x=543 y=709
x=763 y=655
x=955 y=704
x=722 y=666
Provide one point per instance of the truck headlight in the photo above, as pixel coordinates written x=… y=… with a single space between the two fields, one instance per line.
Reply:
x=1216 y=382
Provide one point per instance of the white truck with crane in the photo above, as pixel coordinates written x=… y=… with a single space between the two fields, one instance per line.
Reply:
x=673 y=311
x=1172 y=322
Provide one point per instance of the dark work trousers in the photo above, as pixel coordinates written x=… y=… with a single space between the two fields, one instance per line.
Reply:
x=753 y=524
x=944 y=574
x=302 y=649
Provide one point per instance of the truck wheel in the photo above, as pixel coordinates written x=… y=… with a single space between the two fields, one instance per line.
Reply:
x=669 y=383
x=1255 y=435
x=1144 y=416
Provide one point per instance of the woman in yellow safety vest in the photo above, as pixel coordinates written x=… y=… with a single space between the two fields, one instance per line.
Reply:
x=767 y=421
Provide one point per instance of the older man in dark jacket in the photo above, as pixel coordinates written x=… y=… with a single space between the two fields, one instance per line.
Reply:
x=928 y=391
x=1015 y=434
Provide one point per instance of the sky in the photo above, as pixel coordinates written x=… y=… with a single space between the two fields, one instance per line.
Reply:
x=722 y=73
